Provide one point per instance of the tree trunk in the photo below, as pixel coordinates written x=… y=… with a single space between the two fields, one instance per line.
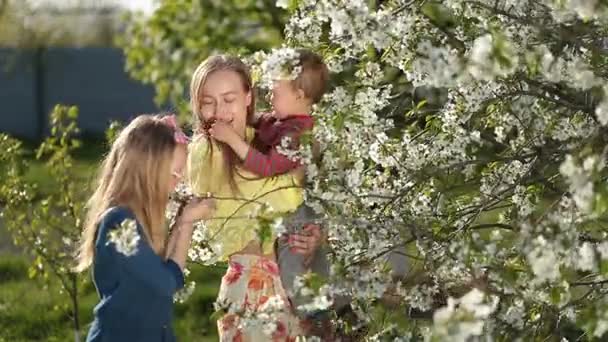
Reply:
x=76 y=318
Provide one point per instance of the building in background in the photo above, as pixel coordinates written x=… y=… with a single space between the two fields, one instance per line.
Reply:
x=62 y=52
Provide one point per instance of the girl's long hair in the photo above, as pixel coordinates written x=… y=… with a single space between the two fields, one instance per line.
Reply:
x=135 y=174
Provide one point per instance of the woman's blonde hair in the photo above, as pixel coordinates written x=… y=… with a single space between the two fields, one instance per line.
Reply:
x=135 y=174
x=202 y=72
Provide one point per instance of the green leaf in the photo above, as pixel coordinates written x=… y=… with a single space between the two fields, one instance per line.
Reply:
x=217 y=315
x=556 y=293
x=73 y=113
x=421 y=104
x=604 y=267
x=32 y=272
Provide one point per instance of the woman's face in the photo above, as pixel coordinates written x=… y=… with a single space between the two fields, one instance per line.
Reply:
x=224 y=98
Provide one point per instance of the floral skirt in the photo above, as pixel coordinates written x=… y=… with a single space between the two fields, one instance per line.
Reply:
x=256 y=303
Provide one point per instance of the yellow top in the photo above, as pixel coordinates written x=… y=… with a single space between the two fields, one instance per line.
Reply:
x=235 y=223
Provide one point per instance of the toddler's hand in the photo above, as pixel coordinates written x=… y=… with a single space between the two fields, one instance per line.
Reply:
x=222 y=131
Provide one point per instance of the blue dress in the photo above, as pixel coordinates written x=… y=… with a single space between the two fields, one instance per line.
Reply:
x=136 y=292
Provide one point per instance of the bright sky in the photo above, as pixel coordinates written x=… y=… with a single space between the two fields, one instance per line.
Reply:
x=146 y=6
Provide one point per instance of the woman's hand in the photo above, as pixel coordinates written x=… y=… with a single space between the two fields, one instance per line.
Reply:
x=307 y=242
x=197 y=209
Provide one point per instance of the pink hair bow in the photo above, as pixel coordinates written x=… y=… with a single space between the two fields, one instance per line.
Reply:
x=171 y=121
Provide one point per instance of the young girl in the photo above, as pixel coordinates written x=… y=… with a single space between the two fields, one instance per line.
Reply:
x=136 y=269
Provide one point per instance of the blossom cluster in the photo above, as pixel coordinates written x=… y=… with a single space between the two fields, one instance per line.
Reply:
x=467 y=137
x=279 y=64
x=125 y=238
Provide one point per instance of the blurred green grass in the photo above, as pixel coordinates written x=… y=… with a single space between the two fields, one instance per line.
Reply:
x=86 y=160
x=33 y=311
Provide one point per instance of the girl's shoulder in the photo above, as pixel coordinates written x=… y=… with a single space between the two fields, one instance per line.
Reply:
x=117 y=213
x=113 y=218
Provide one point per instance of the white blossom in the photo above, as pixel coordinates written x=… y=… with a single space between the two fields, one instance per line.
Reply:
x=544 y=260
x=282 y=3
x=453 y=322
x=125 y=237
x=514 y=315
x=603 y=250
x=586 y=257
x=182 y=295
x=484 y=64
x=279 y=227
x=601 y=111
x=279 y=64
x=601 y=327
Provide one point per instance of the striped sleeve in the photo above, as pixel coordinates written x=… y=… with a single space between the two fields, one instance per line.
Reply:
x=271 y=164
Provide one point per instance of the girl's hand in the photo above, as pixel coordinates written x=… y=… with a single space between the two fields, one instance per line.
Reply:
x=197 y=209
x=223 y=132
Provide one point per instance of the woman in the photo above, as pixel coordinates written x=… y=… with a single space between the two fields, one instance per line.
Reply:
x=136 y=271
x=221 y=89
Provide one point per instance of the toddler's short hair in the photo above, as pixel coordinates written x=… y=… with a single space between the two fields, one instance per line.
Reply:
x=313 y=77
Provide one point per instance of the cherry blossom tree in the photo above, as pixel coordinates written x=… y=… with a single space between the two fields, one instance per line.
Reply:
x=469 y=135
x=46 y=224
